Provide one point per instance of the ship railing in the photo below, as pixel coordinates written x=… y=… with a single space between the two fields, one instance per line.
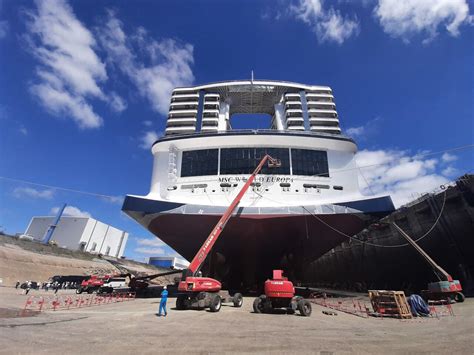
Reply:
x=424 y=196
x=259 y=131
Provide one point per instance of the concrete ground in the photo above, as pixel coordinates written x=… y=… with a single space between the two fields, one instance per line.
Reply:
x=132 y=327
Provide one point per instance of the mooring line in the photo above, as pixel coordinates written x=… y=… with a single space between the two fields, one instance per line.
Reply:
x=369 y=243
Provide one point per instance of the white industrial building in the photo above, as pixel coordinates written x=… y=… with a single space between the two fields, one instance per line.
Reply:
x=81 y=233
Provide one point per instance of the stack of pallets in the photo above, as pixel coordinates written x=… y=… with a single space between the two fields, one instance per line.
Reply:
x=390 y=304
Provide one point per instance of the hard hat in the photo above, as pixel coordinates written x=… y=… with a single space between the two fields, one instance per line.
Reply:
x=164 y=287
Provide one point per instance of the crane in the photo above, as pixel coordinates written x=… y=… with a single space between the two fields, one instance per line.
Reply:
x=446 y=286
x=201 y=292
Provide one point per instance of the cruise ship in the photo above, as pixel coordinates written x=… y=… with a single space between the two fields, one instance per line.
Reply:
x=291 y=215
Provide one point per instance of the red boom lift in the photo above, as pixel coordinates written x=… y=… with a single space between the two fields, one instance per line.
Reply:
x=446 y=287
x=195 y=291
x=280 y=293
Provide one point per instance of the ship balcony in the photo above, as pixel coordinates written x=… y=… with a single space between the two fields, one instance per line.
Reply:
x=210 y=120
x=211 y=105
x=292 y=112
x=293 y=104
x=322 y=113
x=321 y=105
x=325 y=129
x=180 y=129
x=295 y=128
x=292 y=96
x=212 y=97
x=210 y=113
x=181 y=121
x=184 y=91
x=182 y=113
x=209 y=128
x=184 y=105
x=319 y=92
x=324 y=121
x=298 y=119
x=184 y=97
x=319 y=97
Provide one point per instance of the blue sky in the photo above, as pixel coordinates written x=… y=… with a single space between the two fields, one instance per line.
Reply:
x=84 y=90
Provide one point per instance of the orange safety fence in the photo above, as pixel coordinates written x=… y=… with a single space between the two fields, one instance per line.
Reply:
x=357 y=307
x=353 y=306
x=441 y=308
x=40 y=303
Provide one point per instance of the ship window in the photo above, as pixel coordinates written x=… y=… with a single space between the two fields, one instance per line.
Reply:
x=199 y=162
x=309 y=162
x=245 y=160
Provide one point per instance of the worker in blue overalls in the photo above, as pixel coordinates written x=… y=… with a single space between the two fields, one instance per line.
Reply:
x=164 y=298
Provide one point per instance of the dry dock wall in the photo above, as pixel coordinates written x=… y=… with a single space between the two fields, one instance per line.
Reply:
x=357 y=266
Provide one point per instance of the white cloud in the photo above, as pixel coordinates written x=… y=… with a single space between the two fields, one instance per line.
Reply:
x=397 y=173
x=71 y=211
x=155 y=242
x=4 y=26
x=150 y=251
x=60 y=102
x=118 y=200
x=328 y=24
x=450 y=171
x=116 y=103
x=147 y=123
x=3 y=29
x=368 y=129
x=448 y=158
x=403 y=19
x=166 y=63
x=148 y=139
x=153 y=246
x=336 y=28
x=23 y=130
x=29 y=192
x=355 y=131
x=69 y=70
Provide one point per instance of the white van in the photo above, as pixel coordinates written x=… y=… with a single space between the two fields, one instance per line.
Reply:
x=112 y=284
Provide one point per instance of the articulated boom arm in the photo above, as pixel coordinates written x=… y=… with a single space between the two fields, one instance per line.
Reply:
x=212 y=238
x=439 y=271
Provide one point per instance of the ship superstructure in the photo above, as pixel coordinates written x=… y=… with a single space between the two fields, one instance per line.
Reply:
x=293 y=107
x=292 y=214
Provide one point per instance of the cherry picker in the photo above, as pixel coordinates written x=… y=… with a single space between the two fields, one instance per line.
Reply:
x=195 y=291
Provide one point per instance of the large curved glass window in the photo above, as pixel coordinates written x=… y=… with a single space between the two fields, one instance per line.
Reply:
x=245 y=160
x=199 y=162
x=309 y=162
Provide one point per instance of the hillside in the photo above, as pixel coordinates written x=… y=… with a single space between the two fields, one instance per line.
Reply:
x=24 y=260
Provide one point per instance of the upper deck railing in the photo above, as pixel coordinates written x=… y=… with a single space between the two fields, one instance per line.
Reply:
x=237 y=132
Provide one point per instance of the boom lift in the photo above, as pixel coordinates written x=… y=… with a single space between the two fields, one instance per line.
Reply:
x=280 y=293
x=142 y=282
x=446 y=287
x=195 y=291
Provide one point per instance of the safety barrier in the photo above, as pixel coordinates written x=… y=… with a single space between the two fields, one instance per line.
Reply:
x=357 y=307
x=40 y=303
x=352 y=305
x=441 y=308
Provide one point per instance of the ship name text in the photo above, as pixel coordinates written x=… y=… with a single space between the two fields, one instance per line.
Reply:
x=262 y=179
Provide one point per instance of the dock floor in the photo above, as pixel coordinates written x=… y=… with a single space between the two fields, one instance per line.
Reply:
x=133 y=327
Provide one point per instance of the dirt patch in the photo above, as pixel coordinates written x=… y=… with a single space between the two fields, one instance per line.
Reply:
x=17 y=313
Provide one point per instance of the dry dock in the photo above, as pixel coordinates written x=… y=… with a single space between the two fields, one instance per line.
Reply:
x=132 y=327
x=442 y=221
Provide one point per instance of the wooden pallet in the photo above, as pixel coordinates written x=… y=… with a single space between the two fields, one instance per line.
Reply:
x=390 y=303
